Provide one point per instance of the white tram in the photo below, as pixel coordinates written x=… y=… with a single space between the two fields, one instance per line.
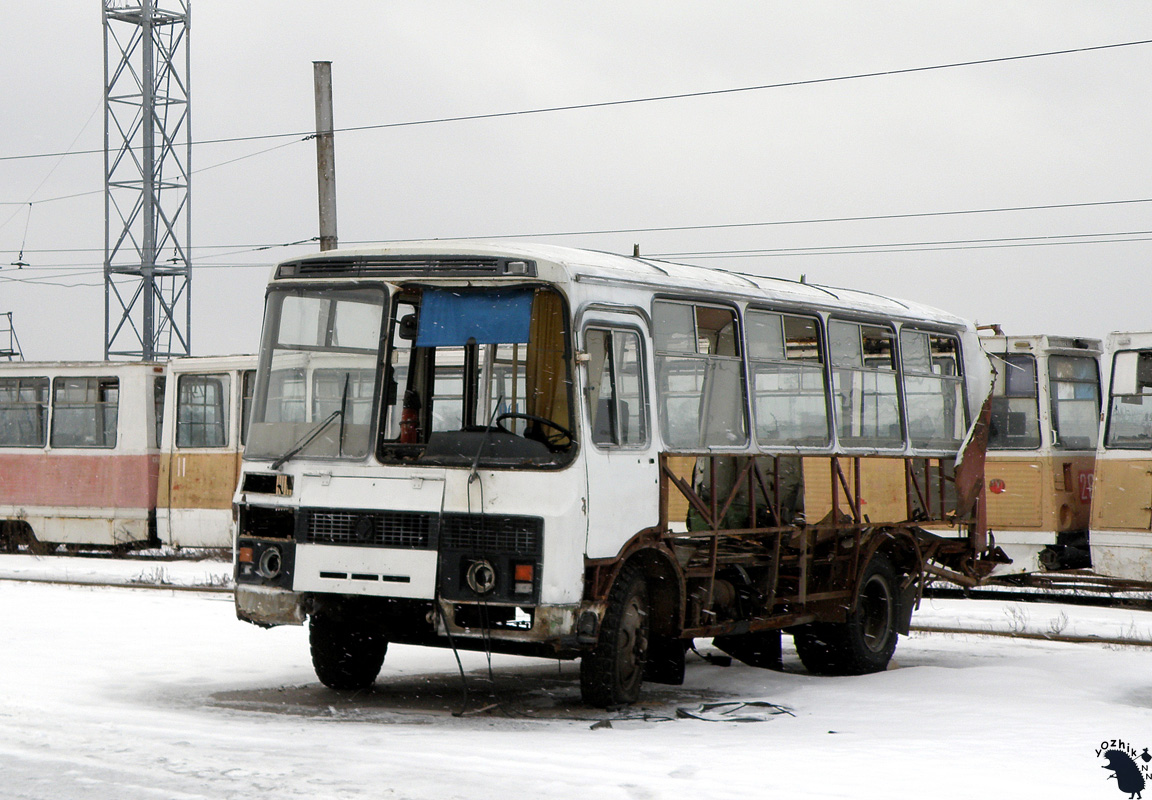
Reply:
x=120 y=455
x=1121 y=528
x=542 y=450
x=1042 y=449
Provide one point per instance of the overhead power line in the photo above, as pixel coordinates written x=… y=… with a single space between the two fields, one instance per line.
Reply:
x=639 y=100
x=249 y=248
x=919 y=247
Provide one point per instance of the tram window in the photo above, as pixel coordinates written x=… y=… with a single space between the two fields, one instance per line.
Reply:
x=1015 y=423
x=23 y=412
x=698 y=372
x=345 y=390
x=789 y=401
x=616 y=401
x=1130 y=416
x=864 y=384
x=247 y=388
x=158 y=386
x=202 y=411
x=84 y=412
x=933 y=389
x=1074 y=383
x=286 y=395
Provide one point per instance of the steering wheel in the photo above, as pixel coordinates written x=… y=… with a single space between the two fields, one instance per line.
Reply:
x=551 y=440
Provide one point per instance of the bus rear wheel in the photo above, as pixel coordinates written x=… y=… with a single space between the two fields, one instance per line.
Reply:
x=612 y=673
x=866 y=641
x=346 y=653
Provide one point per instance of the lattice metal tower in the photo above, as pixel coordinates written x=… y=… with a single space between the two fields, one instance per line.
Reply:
x=147 y=167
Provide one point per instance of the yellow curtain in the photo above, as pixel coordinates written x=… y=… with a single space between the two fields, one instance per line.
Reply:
x=546 y=373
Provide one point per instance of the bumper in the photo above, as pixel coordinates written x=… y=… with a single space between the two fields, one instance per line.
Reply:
x=263 y=605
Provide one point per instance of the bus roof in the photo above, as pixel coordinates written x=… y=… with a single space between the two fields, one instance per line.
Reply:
x=460 y=260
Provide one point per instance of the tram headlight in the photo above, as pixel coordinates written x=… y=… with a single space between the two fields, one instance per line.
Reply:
x=271 y=563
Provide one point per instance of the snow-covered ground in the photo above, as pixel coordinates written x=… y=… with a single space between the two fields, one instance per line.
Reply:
x=129 y=693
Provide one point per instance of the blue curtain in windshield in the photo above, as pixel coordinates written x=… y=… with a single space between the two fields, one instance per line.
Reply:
x=495 y=316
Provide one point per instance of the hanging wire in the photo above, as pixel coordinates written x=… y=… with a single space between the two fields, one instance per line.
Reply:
x=20 y=263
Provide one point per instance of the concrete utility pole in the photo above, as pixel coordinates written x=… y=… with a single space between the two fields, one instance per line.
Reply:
x=147 y=189
x=325 y=153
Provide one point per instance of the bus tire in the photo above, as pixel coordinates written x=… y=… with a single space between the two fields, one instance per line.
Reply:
x=866 y=641
x=612 y=673
x=346 y=653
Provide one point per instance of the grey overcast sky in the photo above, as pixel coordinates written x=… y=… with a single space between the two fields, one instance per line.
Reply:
x=1062 y=130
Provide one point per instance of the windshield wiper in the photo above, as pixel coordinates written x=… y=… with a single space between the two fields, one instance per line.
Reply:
x=307 y=440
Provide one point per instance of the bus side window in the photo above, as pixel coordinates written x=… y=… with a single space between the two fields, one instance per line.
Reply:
x=864 y=384
x=616 y=402
x=700 y=376
x=789 y=401
x=933 y=389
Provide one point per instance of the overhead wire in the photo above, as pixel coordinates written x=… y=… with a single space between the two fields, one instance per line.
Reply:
x=639 y=100
x=945 y=244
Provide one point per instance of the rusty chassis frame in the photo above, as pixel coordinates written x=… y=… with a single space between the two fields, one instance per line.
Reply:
x=802 y=572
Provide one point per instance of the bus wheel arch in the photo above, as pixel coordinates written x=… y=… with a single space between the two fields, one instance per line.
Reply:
x=638 y=637
x=865 y=642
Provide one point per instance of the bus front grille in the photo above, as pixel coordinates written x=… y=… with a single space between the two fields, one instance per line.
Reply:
x=477 y=533
x=378 y=528
x=491 y=533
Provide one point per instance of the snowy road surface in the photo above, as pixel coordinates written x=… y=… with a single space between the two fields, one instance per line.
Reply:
x=130 y=693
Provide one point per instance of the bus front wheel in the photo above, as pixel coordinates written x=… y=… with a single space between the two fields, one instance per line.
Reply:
x=347 y=653
x=612 y=673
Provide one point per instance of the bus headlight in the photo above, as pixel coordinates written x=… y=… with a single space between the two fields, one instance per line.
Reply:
x=481 y=576
x=271 y=563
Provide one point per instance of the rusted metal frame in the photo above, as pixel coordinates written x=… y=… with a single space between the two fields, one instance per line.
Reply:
x=689 y=495
x=664 y=497
x=802 y=589
x=853 y=501
x=749 y=626
x=774 y=572
x=942 y=485
x=745 y=474
x=914 y=484
x=772 y=500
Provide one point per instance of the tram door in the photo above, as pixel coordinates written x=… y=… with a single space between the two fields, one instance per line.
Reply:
x=200 y=470
x=621 y=458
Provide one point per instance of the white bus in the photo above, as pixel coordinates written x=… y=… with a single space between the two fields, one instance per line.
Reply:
x=549 y=451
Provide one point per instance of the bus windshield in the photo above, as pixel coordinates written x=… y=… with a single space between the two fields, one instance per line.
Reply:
x=317 y=377
x=478 y=376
